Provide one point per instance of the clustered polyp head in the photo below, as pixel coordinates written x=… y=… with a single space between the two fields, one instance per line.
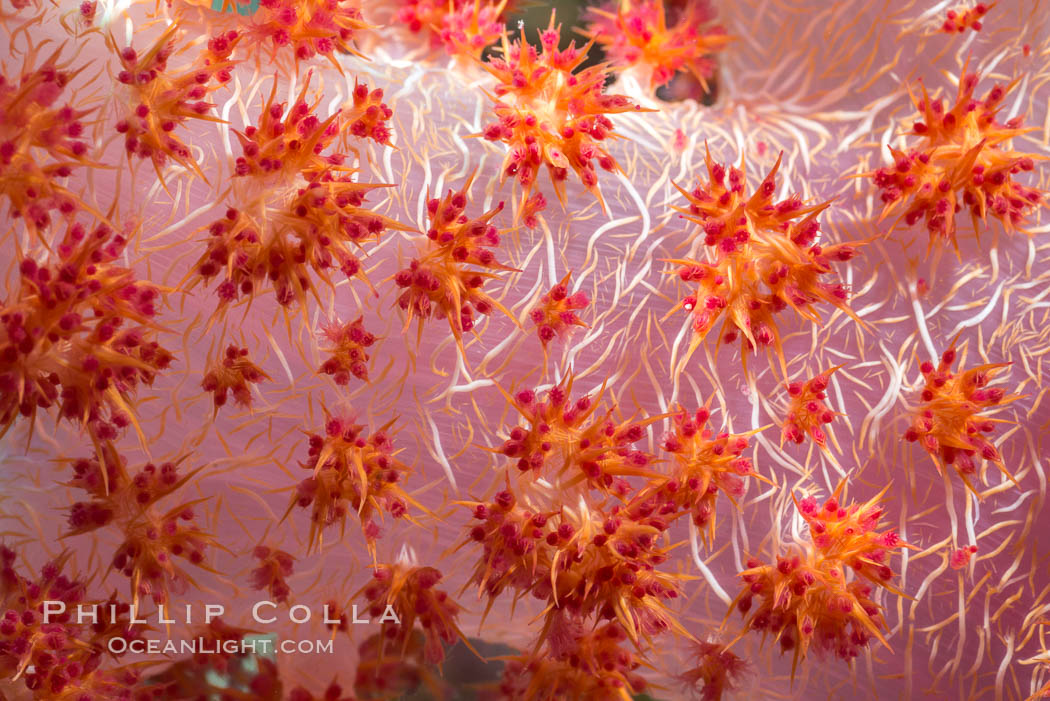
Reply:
x=275 y=566
x=412 y=592
x=463 y=27
x=552 y=115
x=233 y=373
x=153 y=539
x=353 y=473
x=957 y=20
x=591 y=665
x=702 y=465
x=574 y=445
x=158 y=99
x=819 y=592
x=454 y=261
x=960 y=155
x=589 y=564
x=639 y=34
x=300 y=31
x=78 y=335
x=807 y=411
x=716 y=671
x=346 y=348
x=41 y=142
x=299 y=213
x=56 y=654
x=951 y=422
x=763 y=258
x=555 y=316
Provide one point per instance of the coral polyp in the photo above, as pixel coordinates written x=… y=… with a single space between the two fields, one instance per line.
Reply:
x=807 y=412
x=57 y=654
x=299 y=213
x=293 y=33
x=154 y=541
x=408 y=595
x=346 y=349
x=41 y=142
x=275 y=566
x=462 y=27
x=354 y=473
x=718 y=670
x=574 y=445
x=806 y=599
x=959 y=19
x=234 y=374
x=763 y=259
x=159 y=99
x=951 y=422
x=637 y=34
x=961 y=156
x=555 y=315
x=702 y=465
x=454 y=261
x=78 y=334
x=551 y=113
x=589 y=666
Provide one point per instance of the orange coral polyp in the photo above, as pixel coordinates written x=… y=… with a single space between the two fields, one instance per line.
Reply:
x=550 y=115
x=806 y=599
x=296 y=32
x=39 y=141
x=78 y=335
x=702 y=465
x=300 y=210
x=463 y=27
x=764 y=259
x=637 y=35
x=352 y=472
x=959 y=19
x=950 y=420
x=160 y=99
x=347 y=354
x=233 y=373
x=410 y=592
x=555 y=315
x=807 y=412
x=438 y=282
x=964 y=158
x=576 y=445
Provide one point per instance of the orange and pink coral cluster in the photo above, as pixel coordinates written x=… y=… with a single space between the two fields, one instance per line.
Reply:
x=597 y=513
x=640 y=34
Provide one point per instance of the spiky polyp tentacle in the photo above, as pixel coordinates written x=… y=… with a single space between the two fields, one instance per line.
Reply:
x=807 y=412
x=159 y=99
x=154 y=541
x=300 y=214
x=555 y=316
x=411 y=593
x=40 y=142
x=454 y=262
x=702 y=465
